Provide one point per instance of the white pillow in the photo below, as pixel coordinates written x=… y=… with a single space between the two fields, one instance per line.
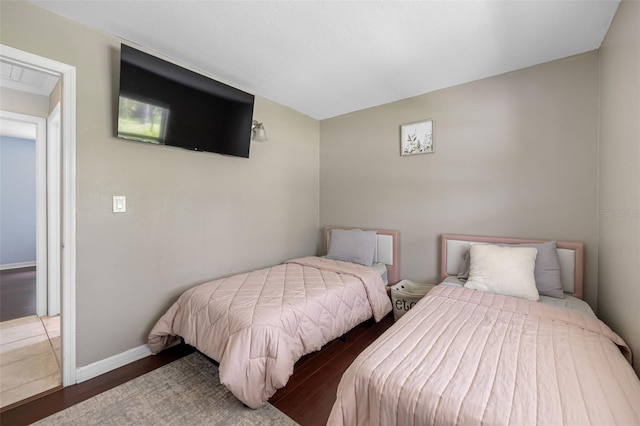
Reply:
x=503 y=270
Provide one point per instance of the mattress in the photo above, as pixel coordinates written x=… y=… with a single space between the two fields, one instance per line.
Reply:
x=569 y=302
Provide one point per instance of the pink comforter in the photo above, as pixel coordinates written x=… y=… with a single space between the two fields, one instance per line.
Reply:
x=257 y=325
x=467 y=357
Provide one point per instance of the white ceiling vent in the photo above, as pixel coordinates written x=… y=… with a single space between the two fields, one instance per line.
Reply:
x=26 y=79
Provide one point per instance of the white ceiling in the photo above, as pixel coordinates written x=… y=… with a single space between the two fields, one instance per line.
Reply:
x=26 y=79
x=330 y=58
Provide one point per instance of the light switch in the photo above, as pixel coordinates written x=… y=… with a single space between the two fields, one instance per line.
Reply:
x=119 y=204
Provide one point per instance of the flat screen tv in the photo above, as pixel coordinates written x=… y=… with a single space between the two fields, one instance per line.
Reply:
x=165 y=104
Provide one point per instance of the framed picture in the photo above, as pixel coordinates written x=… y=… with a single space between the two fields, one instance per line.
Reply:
x=416 y=138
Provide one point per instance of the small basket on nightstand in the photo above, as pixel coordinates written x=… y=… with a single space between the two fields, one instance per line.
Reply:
x=405 y=294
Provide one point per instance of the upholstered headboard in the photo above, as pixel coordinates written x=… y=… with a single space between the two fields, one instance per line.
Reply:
x=387 y=250
x=571 y=255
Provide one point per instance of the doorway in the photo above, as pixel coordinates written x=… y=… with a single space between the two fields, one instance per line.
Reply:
x=29 y=327
x=59 y=243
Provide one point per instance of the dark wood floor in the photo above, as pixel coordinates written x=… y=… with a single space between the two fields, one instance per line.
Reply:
x=17 y=293
x=307 y=398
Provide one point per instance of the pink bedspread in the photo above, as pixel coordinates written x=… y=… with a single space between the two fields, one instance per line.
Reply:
x=257 y=325
x=467 y=357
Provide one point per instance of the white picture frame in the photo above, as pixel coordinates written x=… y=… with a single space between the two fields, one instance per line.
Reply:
x=417 y=138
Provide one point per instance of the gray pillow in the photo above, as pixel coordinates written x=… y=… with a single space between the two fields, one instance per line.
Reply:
x=547 y=269
x=352 y=245
x=463 y=273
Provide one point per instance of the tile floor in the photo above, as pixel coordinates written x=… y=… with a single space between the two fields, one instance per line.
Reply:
x=29 y=357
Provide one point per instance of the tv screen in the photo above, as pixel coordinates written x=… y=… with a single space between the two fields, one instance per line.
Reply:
x=165 y=104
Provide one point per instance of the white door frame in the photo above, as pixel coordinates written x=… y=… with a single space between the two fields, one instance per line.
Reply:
x=54 y=237
x=41 y=203
x=68 y=200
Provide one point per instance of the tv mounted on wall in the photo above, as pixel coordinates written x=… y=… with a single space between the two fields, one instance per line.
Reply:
x=165 y=104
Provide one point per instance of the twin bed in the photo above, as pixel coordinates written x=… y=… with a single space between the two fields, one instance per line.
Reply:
x=463 y=356
x=524 y=350
x=257 y=325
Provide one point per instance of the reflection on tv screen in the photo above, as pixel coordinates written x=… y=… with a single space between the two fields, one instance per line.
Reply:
x=142 y=121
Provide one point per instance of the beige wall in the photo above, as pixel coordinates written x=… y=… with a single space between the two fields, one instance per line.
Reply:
x=56 y=96
x=515 y=155
x=191 y=216
x=619 y=205
x=23 y=102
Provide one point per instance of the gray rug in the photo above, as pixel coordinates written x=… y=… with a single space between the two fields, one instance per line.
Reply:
x=185 y=392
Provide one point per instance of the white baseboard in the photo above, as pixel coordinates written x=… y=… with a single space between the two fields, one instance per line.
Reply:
x=104 y=366
x=17 y=265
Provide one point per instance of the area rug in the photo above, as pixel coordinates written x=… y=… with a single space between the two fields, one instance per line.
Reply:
x=185 y=392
